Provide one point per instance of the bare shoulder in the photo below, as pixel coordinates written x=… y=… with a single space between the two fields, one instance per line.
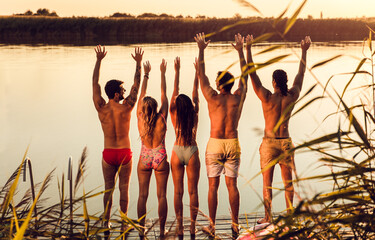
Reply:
x=105 y=113
x=294 y=93
x=129 y=103
x=214 y=97
x=211 y=93
x=102 y=108
x=161 y=119
x=233 y=99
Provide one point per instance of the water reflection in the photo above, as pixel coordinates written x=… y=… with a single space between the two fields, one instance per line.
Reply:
x=46 y=104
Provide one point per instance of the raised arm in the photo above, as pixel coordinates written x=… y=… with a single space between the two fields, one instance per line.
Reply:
x=147 y=69
x=242 y=85
x=262 y=93
x=132 y=98
x=164 y=99
x=297 y=84
x=97 y=93
x=207 y=90
x=176 y=84
x=195 y=94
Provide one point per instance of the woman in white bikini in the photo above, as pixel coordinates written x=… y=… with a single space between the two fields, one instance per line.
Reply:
x=184 y=115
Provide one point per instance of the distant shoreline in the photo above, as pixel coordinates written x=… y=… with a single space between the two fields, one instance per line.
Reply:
x=119 y=31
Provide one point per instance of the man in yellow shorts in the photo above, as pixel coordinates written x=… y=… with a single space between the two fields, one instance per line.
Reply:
x=223 y=157
x=223 y=149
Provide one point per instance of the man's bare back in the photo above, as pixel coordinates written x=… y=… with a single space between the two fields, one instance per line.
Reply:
x=115 y=116
x=115 y=120
x=224 y=111
x=224 y=107
x=276 y=107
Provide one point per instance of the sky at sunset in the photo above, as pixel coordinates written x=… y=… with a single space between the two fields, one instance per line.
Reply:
x=211 y=8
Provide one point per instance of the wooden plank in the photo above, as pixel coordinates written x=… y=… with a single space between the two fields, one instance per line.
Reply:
x=223 y=227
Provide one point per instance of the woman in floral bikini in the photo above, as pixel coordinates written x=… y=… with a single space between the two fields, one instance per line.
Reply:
x=152 y=127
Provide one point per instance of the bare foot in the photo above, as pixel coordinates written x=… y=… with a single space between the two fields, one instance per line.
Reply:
x=209 y=230
x=143 y=232
x=235 y=231
x=163 y=234
x=107 y=225
x=193 y=230
x=126 y=227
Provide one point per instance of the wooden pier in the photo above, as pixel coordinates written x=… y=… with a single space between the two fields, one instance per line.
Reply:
x=223 y=227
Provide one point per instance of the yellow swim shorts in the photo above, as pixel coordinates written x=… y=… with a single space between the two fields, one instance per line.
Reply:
x=223 y=156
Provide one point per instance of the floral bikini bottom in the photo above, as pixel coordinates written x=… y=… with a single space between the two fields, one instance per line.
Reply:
x=152 y=157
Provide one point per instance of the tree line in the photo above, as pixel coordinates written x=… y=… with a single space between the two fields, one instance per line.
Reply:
x=39 y=12
x=27 y=29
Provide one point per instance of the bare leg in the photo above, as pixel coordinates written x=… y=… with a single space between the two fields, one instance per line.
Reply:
x=213 y=185
x=178 y=181
x=144 y=176
x=192 y=170
x=234 y=201
x=267 y=194
x=161 y=175
x=286 y=174
x=124 y=176
x=109 y=173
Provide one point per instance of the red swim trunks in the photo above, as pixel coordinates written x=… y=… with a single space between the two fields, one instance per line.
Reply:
x=117 y=157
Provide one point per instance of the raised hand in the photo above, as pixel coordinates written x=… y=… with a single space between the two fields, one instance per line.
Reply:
x=249 y=41
x=305 y=43
x=200 y=39
x=147 y=67
x=163 y=66
x=177 y=64
x=138 y=54
x=100 y=53
x=238 y=39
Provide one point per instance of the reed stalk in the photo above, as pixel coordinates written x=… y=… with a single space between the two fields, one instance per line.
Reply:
x=70 y=179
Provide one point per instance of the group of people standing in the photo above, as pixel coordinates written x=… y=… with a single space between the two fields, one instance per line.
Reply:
x=223 y=149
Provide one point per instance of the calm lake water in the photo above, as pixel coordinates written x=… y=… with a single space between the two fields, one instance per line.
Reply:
x=46 y=104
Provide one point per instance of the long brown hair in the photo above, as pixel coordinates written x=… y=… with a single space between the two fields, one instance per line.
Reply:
x=281 y=80
x=149 y=115
x=186 y=119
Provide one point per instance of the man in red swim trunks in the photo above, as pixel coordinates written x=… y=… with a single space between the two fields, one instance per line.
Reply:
x=115 y=120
